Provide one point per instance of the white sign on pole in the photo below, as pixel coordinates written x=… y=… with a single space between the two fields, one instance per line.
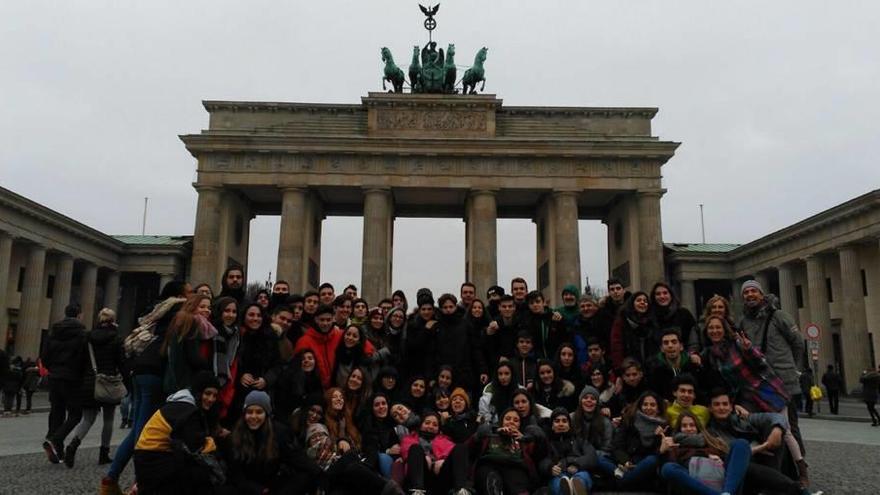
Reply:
x=812 y=331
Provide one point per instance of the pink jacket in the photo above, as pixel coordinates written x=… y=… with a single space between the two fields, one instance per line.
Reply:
x=441 y=445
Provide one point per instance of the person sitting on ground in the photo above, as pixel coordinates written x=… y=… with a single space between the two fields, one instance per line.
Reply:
x=505 y=457
x=700 y=462
x=261 y=456
x=433 y=462
x=569 y=459
x=462 y=422
x=635 y=446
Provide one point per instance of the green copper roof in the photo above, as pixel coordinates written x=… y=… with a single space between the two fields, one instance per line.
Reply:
x=701 y=248
x=153 y=240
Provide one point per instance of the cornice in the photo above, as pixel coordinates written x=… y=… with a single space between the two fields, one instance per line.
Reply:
x=416 y=146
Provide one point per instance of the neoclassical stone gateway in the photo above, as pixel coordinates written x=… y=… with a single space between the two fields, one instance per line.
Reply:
x=429 y=156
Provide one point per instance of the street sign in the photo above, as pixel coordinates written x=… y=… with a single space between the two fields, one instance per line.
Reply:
x=813 y=345
x=812 y=330
x=814 y=354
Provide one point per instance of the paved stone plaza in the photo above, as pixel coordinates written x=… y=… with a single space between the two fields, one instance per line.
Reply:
x=842 y=455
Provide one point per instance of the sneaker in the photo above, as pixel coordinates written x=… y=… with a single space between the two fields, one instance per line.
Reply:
x=462 y=491
x=618 y=473
x=51 y=453
x=565 y=486
x=577 y=486
x=417 y=491
x=494 y=484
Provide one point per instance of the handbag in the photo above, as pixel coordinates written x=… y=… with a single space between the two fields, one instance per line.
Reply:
x=708 y=471
x=816 y=393
x=109 y=389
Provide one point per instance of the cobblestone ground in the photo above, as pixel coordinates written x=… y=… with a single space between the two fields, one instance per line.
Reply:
x=843 y=459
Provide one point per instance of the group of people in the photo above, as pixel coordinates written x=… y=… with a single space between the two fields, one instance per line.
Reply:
x=327 y=392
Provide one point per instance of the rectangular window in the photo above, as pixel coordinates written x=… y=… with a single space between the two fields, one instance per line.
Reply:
x=50 y=286
x=799 y=296
x=864 y=283
x=20 y=279
x=828 y=289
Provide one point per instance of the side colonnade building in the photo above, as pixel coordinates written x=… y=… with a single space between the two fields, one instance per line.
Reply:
x=48 y=260
x=825 y=271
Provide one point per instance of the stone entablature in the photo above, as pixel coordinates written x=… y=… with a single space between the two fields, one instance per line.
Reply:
x=463 y=156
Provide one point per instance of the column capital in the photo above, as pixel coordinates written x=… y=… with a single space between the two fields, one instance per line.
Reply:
x=293 y=187
x=483 y=191
x=565 y=192
x=376 y=189
x=846 y=247
x=207 y=187
x=650 y=192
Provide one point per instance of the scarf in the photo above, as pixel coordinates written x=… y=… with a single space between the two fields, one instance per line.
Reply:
x=647 y=426
x=206 y=329
x=689 y=441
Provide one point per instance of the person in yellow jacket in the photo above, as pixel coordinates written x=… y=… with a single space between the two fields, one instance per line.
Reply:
x=170 y=454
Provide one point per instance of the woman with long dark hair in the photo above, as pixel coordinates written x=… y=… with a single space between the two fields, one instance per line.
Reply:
x=261 y=456
x=552 y=391
x=497 y=394
x=632 y=334
x=635 y=455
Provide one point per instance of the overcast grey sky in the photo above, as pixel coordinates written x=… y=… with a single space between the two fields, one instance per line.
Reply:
x=775 y=104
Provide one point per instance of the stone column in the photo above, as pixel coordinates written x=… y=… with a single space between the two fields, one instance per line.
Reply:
x=736 y=298
x=568 y=254
x=5 y=260
x=787 y=295
x=378 y=225
x=206 y=265
x=111 y=290
x=292 y=260
x=27 y=336
x=88 y=284
x=763 y=279
x=482 y=240
x=688 y=296
x=63 y=281
x=650 y=239
x=854 y=332
x=819 y=312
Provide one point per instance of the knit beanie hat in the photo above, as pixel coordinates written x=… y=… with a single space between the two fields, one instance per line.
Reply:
x=314 y=429
x=589 y=390
x=387 y=370
x=753 y=284
x=570 y=289
x=258 y=398
x=559 y=411
x=460 y=392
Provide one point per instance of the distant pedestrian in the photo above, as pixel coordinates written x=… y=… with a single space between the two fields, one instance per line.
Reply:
x=11 y=384
x=870 y=382
x=29 y=385
x=64 y=356
x=105 y=355
x=806 y=400
x=833 y=383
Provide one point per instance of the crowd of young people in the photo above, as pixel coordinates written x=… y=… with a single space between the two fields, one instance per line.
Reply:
x=326 y=392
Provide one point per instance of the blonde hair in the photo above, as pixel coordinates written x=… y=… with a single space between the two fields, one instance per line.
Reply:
x=106 y=315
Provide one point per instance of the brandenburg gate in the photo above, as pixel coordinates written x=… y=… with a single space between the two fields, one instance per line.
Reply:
x=429 y=155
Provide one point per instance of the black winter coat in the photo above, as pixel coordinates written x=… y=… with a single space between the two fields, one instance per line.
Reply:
x=65 y=352
x=418 y=349
x=456 y=347
x=546 y=334
x=378 y=436
x=107 y=347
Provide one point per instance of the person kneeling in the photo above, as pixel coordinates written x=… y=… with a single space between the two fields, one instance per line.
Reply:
x=175 y=452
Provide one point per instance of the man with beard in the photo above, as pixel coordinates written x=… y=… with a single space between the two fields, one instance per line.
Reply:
x=280 y=293
x=233 y=284
x=775 y=333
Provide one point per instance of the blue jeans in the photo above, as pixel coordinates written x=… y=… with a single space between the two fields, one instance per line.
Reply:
x=126 y=407
x=734 y=471
x=147 y=399
x=643 y=471
x=385 y=463
x=581 y=475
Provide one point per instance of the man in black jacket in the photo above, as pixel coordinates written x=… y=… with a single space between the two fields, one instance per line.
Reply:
x=64 y=355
